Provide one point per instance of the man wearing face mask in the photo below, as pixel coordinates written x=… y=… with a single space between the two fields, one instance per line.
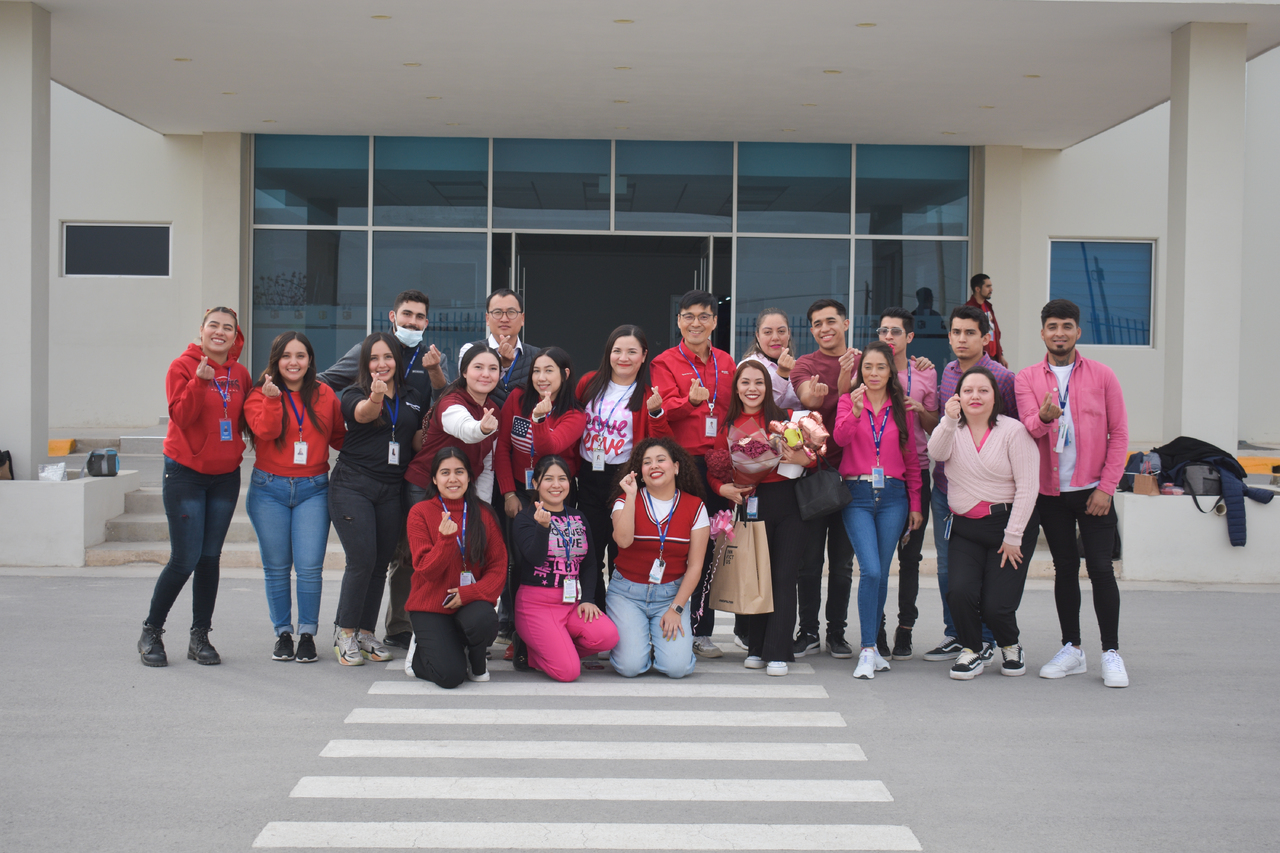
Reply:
x=424 y=373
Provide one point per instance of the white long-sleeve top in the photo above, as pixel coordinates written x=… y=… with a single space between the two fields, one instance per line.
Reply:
x=459 y=423
x=783 y=394
x=1006 y=470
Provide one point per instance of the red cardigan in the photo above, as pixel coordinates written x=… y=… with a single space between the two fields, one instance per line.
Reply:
x=552 y=436
x=419 y=470
x=437 y=563
x=643 y=424
x=265 y=416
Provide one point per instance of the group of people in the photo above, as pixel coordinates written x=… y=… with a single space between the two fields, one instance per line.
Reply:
x=569 y=516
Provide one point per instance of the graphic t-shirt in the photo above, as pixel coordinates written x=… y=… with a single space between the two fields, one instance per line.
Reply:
x=609 y=425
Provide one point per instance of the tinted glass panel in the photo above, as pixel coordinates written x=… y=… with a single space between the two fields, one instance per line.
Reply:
x=310 y=180
x=313 y=282
x=791 y=187
x=926 y=277
x=913 y=189
x=1111 y=282
x=449 y=269
x=551 y=183
x=125 y=250
x=790 y=275
x=441 y=183
x=673 y=186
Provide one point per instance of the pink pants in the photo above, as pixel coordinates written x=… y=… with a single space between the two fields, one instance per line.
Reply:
x=558 y=638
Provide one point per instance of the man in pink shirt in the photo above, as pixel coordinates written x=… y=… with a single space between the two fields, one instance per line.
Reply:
x=1074 y=409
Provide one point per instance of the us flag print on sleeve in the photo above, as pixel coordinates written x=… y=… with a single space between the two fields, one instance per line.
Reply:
x=521 y=437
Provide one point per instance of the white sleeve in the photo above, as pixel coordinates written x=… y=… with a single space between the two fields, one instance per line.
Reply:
x=484 y=483
x=462 y=350
x=620 y=503
x=701 y=521
x=457 y=421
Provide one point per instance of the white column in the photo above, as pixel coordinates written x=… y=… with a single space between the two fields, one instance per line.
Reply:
x=999 y=237
x=223 y=251
x=1206 y=219
x=24 y=234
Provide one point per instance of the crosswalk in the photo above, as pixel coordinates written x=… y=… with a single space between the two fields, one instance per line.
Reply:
x=712 y=796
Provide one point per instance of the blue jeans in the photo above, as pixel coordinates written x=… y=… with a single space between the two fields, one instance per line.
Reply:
x=291 y=517
x=938 y=503
x=199 y=508
x=874 y=520
x=636 y=609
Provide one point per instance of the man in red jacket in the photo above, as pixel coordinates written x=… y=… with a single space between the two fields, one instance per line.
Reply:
x=696 y=383
x=980 y=288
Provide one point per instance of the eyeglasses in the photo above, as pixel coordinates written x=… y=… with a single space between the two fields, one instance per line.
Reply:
x=891 y=331
x=701 y=318
x=510 y=313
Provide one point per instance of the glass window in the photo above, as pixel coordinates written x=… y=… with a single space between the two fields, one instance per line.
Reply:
x=790 y=274
x=927 y=277
x=116 y=250
x=793 y=187
x=1111 y=282
x=310 y=180
x=312 y=282
x=673 y=186
x=913 y=189
x=551 y=183
x=440 y=183
x=448 y=268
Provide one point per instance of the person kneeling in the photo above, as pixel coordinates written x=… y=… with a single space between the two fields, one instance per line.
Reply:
x=662 y=530
x=459 y=570
x=552 y=544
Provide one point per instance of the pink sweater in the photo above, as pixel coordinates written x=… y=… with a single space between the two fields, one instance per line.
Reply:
x=1007 y=469
x=858 y=450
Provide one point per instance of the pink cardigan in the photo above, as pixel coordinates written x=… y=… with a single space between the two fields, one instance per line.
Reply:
x=1007 y=469
x=858 y=456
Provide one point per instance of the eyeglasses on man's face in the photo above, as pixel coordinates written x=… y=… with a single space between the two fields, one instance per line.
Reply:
x=510 y=313
x=891 y=331
x=701 y=318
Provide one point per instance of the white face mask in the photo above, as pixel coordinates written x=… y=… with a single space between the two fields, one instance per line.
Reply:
x=408 y=337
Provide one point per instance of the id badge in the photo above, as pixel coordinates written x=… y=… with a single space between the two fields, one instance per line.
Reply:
x=655 y=573
x=299 y=453
x=947 y=533
x=1063 y=432
x=393 y=453
x=712 y=426
x=753 y=508
x=528 y=480
x=570 y=591
x=877 y=478
x=467 y=579
x=224 y=430
x=597 y=459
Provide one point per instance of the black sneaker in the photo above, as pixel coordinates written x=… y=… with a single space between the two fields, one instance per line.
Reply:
x=201 y=650
x=805 y=644
x=284 y=648
x=151 y=647
x=948 y=649
x=988 y=652
x=306 y=649
x=967 y=666
x=838 y=648
x=1013 y=664
x=400 y=641
x=882 y=641
x=520 y=658
x=902 y=644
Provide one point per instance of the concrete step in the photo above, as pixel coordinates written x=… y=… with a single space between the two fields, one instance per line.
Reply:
x=235 y=555
x=84 y=445
x=148 y=444
x=154 y=527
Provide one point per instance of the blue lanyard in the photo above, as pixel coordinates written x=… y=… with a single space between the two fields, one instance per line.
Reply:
x=625 y=395
x=512 y=368
x=1062 y=396
x=462 y=534
x=908 y=380
x=224 y=391
x=663 y=526
x=411 y=358
x=298 y=414
x=395 y=415
x=565 y=540
x=715 y=386
x=877 y=437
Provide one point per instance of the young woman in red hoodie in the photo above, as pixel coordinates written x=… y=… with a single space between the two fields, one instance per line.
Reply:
x=294 y=420
x=459 y=569
x=203 y=449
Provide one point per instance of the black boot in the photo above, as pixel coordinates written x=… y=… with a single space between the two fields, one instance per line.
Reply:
x=520 y=660
x=200 y=649
x=882 y=641
x=151 y=647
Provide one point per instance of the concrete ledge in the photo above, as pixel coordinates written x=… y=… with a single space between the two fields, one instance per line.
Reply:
x=1167 y=539
x=51 y=524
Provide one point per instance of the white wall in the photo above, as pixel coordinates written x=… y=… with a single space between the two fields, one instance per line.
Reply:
x=1260 y=320
x=112 y=339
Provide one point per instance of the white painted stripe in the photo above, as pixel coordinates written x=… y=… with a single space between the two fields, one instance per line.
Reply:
x=596 y=750
x=647 y=689
x=557 y=788
x=586 y=836
x=708 y=667
x=601 y=717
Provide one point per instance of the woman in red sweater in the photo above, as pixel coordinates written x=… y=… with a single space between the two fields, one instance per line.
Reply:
x=203 y=448
x=766 y=494
x=293 y=421
x=459 y=569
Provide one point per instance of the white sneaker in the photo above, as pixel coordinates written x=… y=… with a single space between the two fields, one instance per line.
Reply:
x=881 y=664
x=471 y=676
x=776 y=667
x=1113 y=671
x=347 y=647
x=408 y=661
x=372 y=648
x=754 y=662
x=866 y=664
x=739 y=642
x=1068 y=661
x=704 y=648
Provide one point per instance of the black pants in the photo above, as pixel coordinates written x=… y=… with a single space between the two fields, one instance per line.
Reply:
x=1059 y=515
x=369 y=517
x=909 y=561
x=982 y=591
x=839 y=553
x=593 y=502
x=704 y=615
x=769 y=635
x=400 y=569
x=507 y=601
x=447 y=644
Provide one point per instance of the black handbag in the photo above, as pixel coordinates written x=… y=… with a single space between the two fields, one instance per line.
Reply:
x=101 y=463
x=821 y=491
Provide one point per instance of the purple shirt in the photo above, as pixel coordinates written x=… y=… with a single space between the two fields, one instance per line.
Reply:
x=951 y=380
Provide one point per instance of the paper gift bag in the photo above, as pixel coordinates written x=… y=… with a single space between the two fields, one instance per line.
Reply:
x=741 y=583
x=1145 y=484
